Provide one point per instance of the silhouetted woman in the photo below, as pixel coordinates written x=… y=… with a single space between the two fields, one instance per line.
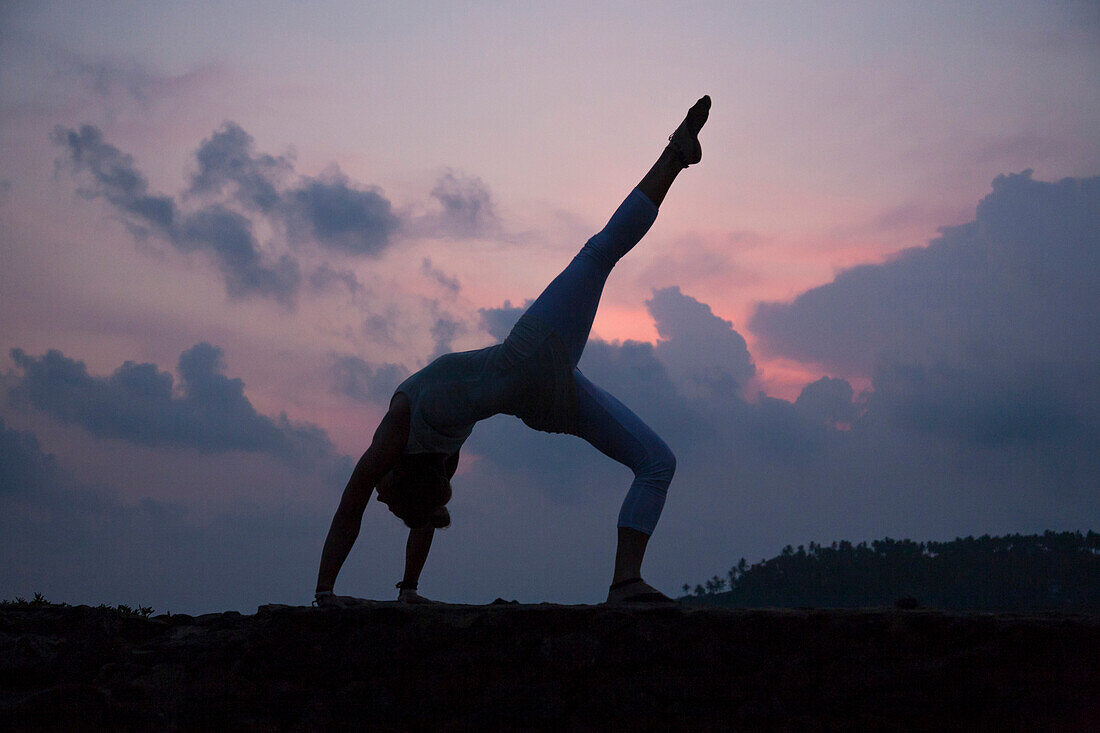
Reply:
x=533 y=375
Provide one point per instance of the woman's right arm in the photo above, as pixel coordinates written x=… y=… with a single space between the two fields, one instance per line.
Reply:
x=382 y=455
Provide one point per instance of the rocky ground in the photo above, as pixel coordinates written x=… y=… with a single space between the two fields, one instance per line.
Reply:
x=390 y=667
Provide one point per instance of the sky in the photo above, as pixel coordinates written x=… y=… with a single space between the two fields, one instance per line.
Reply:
x=228 y=232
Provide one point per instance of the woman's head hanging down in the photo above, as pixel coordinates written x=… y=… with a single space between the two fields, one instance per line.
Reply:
x=532 y=375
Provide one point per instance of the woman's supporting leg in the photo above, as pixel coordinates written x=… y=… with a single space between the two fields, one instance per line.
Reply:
x=613 y=429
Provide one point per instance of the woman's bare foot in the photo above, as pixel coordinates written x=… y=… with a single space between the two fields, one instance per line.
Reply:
x=636 y=591
x=685 y=140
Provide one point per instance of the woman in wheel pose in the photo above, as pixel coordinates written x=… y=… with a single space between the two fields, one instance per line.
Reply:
x=532 y=375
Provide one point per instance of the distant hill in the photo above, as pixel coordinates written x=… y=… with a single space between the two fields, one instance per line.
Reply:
x=1052 y=571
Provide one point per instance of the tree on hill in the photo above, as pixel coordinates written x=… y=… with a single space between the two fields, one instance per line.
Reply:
x=1054 y=570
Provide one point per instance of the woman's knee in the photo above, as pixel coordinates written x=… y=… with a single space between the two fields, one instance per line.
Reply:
x=660 y=462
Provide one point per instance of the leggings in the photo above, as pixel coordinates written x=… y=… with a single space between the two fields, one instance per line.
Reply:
x=568 y=305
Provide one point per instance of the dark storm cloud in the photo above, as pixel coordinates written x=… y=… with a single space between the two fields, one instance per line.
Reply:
x=228 y=158
x=140 y=404
x=703 y=351
x=113 y=176
x=829 y=400
x=987 y=335
x=360 y=380
x=24 y=468
x=228 y=237
x=1015 y=284
x=336 y=213
x=974 y=406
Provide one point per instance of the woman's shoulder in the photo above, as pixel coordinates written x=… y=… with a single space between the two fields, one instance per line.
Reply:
x=399 y=403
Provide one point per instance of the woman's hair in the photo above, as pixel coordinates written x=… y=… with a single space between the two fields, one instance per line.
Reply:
x=417 y=490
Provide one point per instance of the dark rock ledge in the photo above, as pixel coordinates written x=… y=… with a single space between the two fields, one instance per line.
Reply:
x=383 y=666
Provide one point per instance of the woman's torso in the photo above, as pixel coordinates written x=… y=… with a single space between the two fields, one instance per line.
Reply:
x=528 y=375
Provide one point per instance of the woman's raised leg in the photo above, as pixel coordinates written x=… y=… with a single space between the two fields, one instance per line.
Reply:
x=568 y=304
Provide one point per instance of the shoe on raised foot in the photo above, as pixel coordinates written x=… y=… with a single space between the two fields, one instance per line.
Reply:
x=685 y=140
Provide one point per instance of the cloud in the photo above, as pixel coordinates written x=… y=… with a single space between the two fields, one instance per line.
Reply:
x=325 y=277
x=114 y=79
x=227 y=158
x=703 y=351
x=336 y=213
x=987 y=335
x=829 y=400
x=1014 y=284
x=444 y=331
x=982 y=337
x=78 y=543
x=329 y=210
x=360 y=380
x=24 y=468
x=225 y=235
x=499 y=321
x=140 y=404
x=382 y=326
x=468 y=209
x=238 y=188
x=237 y=184
x=228 y=237
x=972 y=405
x=449 y=282
x=112 y=175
